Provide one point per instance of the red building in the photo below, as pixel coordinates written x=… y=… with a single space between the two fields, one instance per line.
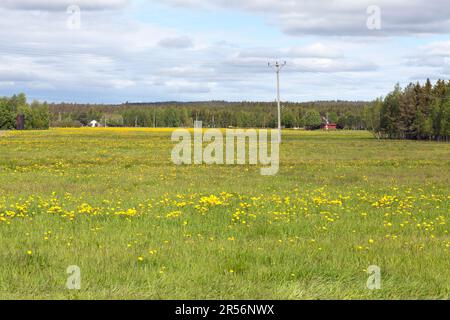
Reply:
x=329 y=126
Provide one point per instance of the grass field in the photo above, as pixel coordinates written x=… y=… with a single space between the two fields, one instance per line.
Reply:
x=111 y=202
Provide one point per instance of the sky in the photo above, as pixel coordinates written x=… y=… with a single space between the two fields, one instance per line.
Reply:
x=114 y=51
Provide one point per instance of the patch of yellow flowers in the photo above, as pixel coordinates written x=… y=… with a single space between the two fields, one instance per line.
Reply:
x=397 y=212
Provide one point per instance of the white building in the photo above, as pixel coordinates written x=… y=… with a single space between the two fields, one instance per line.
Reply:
x=94 y=124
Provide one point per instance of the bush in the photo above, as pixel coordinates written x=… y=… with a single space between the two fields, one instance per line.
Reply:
x=37 y=115
x=312 y=119
x=7 y=119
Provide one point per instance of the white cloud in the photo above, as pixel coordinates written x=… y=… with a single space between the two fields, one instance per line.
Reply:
x=315 y=58
x=187 y=87
x=341 y=17
x=120 y=54
x=106 y=54
x=53 y=5
x=182 y=42
x=434 y=56
x=314 y=50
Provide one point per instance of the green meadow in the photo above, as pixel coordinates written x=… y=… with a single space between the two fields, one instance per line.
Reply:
x=111 y=202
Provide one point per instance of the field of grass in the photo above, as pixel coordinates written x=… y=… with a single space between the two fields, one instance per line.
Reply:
x=111 y=202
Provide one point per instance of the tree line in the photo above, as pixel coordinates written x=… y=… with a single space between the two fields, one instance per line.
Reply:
x=220 y=114
x=36 y=114
x=418 y=112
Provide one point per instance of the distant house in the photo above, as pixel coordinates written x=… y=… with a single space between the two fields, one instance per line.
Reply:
x=329 y=126
x=94 y=124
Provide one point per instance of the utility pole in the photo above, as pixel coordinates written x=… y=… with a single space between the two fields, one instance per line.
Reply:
x=278 y=68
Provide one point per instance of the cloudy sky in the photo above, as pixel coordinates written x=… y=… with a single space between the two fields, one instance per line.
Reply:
x=113 y=51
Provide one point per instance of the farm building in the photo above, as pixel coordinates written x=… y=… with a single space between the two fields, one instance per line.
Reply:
x=94 y=124
x=329 y=126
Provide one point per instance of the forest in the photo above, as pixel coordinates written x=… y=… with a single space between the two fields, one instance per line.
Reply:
x=417 y=112
x=220 y=114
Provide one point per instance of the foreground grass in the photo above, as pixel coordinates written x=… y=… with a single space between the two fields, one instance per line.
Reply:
x=111 y=202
